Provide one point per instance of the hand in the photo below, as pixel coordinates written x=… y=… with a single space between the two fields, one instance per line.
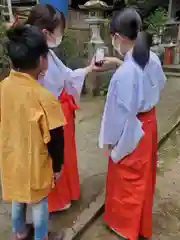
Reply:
x=112 y=60
x=92 y=67
x=57 y=176
x=108 y=151
x=107 y=61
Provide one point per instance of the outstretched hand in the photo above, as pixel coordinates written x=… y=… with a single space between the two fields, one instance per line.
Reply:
x=112 y=61
x=93 y=67
x=106 y=64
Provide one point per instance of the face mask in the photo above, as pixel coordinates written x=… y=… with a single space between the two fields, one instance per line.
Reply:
x=56 y=44
x=117 y=47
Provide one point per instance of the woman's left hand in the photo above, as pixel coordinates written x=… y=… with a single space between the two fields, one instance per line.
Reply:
x=108 y=151
x=92 y=67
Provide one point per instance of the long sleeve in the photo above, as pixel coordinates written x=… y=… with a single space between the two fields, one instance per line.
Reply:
x=73 y=79
x=74 y=82
x=56 y=148
x=159 y=73
x=118 y=107
x=52 y=117
x=59 y=77
x=120 y=126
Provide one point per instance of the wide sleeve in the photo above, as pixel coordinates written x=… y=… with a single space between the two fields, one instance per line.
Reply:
x=73 y=79
x=158 y=75
x=74 y=82
x=52 y=116
x=120 y=126
x=117 y=109
x=161 y=77
x=56 y=148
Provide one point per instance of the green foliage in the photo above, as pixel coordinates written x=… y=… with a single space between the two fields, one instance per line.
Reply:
x=4 y=60
x=156 y=19
x=68 y=45
x=73 y=48
x=132 y=2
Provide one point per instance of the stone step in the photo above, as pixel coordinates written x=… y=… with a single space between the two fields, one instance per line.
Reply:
x=172 y=74
x=172 y=68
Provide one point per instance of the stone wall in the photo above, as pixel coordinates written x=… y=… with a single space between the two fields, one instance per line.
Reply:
x=4 y=60
x=76 y=19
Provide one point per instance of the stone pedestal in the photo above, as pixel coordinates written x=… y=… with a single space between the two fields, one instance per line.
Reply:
x=93 y=81
x=95 y=20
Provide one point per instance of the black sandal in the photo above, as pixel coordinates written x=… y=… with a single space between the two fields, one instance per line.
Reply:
x=30 y=236
x=56 y=236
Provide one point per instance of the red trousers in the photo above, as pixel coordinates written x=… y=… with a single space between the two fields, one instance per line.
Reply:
x=131 y=185
x=68 y=186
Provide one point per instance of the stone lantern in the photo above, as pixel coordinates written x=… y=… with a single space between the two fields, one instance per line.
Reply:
x=95 y=19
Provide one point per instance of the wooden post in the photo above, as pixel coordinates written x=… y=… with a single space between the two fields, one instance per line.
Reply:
x=170 y=9
x=178 y=38
x=11 y=17
x=177 y=48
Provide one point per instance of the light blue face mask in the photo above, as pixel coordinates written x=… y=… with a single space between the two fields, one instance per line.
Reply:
x=56 y=44
x=117 y=47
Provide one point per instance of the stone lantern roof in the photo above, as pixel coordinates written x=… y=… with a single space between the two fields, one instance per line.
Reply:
x=95 y=5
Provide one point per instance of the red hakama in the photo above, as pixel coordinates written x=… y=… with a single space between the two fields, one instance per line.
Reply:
x=68 y=186
x=131 y=185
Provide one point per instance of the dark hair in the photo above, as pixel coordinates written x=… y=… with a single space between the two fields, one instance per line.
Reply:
x=25 y=46
x=47 y=17
x=128 y=23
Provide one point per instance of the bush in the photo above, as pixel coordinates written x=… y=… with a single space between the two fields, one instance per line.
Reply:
x=156 y=20
x=4 y=60
x=73 y=50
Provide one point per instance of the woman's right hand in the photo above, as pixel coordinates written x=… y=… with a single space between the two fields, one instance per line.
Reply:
x=106 y=64
x=92 y=67
x=112 y=61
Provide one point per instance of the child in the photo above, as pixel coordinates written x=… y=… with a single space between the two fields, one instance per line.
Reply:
x=32 y=141
x=65 y=85
x=133 y=93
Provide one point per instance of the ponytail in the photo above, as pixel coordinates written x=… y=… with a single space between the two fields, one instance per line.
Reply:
x=127 y=23
x=141 y=50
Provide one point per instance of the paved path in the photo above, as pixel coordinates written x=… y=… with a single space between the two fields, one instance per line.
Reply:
x=92 y=163
x=166 y=224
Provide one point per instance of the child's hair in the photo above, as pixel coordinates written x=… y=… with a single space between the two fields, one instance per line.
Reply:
x=46 y=17
x=26 y=44
x=128 y=23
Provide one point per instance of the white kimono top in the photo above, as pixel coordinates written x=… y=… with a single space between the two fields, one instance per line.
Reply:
x=131 y=91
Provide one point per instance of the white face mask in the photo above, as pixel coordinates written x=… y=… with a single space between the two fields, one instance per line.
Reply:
x=117 y=47
x=56 y=44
